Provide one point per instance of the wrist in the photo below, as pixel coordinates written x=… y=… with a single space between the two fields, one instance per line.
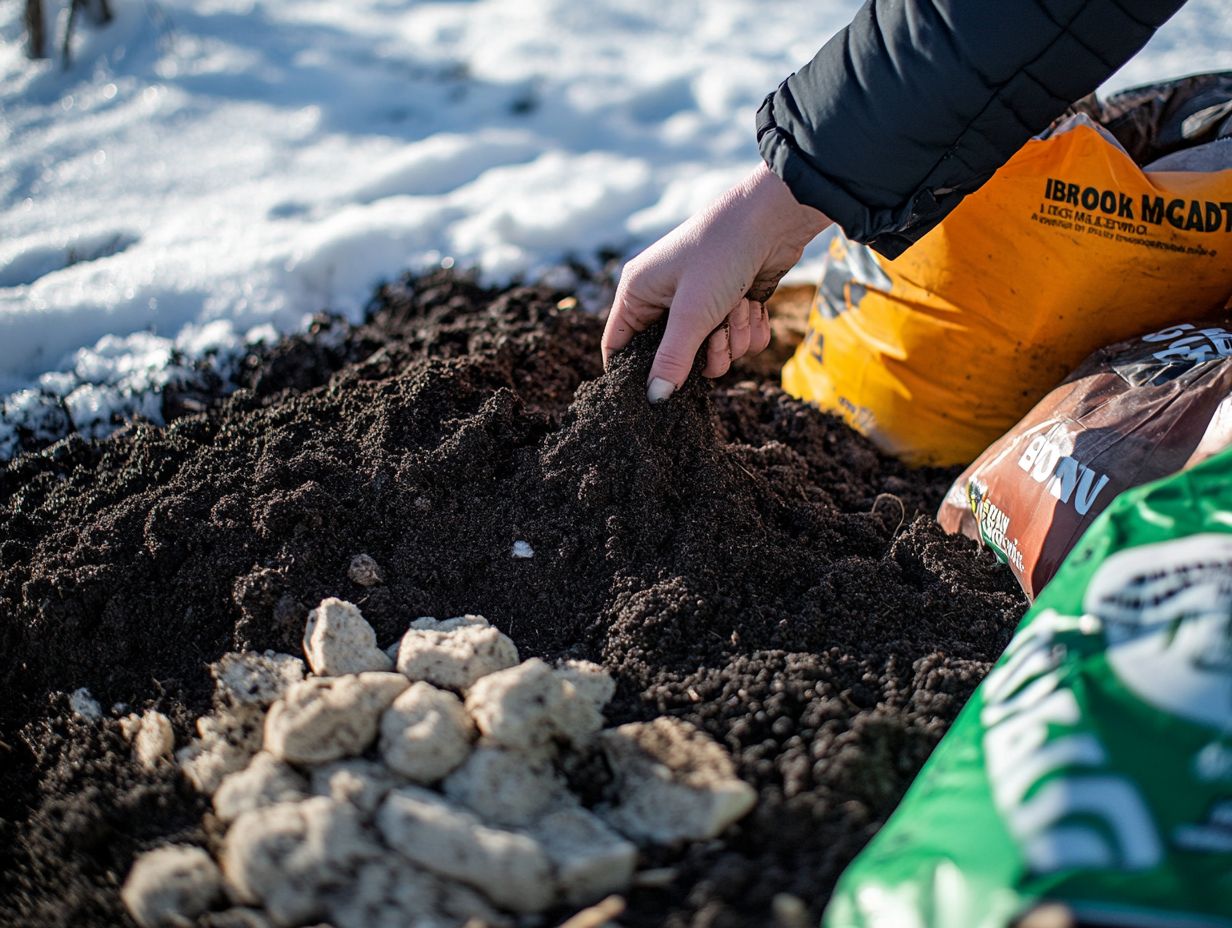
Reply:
x=778 y=213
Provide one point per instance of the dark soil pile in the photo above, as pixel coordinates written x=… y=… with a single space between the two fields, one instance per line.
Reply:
x=735 y=557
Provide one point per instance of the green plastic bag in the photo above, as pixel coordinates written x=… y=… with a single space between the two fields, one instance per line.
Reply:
x=1093 y=766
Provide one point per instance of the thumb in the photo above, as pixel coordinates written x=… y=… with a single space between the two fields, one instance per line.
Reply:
x=687 y=328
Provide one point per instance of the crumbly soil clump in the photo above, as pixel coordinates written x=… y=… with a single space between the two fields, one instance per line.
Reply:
x=733 y=557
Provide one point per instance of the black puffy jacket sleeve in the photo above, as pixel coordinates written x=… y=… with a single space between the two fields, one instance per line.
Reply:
x=917 y=102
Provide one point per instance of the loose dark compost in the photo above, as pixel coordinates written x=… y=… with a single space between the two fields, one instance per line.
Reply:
x=735 y=557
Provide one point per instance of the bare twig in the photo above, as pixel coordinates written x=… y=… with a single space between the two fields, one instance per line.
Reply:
x=99 y=12
x=36 y=36
x=66 y=50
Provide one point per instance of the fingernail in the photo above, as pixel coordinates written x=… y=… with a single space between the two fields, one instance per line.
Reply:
x=659 y=389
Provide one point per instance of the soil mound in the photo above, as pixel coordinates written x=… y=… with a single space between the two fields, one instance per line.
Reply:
x=734 y=557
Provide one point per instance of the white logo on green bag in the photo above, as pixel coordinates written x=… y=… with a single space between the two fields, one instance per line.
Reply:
x=1049 y=774
x=1167 y=611
x=1213 y=763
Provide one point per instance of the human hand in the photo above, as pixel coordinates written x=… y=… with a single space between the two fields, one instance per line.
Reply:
x=712 y=276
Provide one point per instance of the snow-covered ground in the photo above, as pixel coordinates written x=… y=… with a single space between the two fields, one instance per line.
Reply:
x=209 y=173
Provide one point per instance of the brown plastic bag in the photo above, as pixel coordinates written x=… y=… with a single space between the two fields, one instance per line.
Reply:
x=1133 y=412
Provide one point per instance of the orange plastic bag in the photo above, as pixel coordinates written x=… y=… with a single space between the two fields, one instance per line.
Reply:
x=1070 y=246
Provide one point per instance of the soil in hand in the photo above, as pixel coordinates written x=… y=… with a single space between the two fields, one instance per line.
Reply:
x=734 y=557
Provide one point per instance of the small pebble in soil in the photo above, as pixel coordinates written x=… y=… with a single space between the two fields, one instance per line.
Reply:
x=454 y=654
x=286 y=857
x=365 y=571
x=169 y=886
x=250 y=679
x=790 y=911
x=529 y=705
x=507 y=788
x=84 y=705
x=265 y=781
x=591 y=859
x=363 y=783
x=338 y=641
x=224 y=744
x=523 y=549
x=151 y=736
x=512 y=869
x=425 y=733
x=326 y=718
x=675 y=784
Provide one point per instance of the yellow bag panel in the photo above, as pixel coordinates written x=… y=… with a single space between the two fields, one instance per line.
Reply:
x=1069 y=247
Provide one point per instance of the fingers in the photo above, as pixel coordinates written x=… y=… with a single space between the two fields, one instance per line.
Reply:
x=739 y=322
x=759 y=328
x=718 y=351
x=746 y=330
x=699 y=275
x=674 y=360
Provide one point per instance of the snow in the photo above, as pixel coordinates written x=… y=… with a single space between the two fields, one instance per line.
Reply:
x=208 y=174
